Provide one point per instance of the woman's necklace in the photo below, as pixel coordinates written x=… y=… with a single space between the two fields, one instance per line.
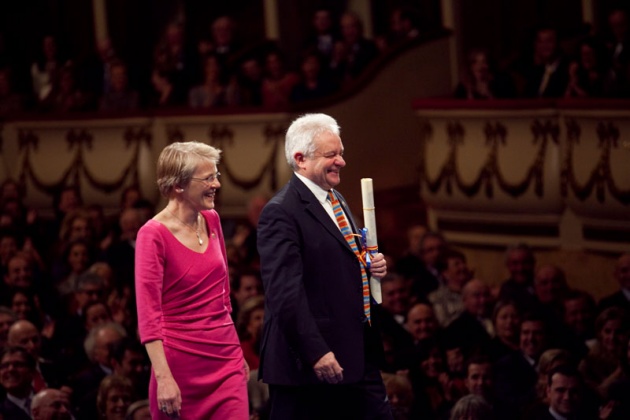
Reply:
x=196 y=230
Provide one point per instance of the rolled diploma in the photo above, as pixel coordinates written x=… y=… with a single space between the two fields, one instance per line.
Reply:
x=369 y=219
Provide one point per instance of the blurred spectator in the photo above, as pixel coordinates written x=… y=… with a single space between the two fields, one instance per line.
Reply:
x=115 y=395
x=418 y=263
x=360 y=51
x=472 y=407
x=245 y=283
x=96 y=70
x=224 y=43
x=479 y=377
x=519 y=287
x=482 y=80
x=7 y=318
x=430 y=381
x=17 y=367
x=250 y=82
x=506 y=320
x=164 y=93
x=589 y=74
x=121 y=97
x=421 y=322
x=10 y=101
x=212 y=92
x=313 y=84
x=278 y=82
x=546 y=75
x=245 y=235
x=45 y=68
x=139 y=410
x=612 y=327
x=51 y=404
x=65 y=94
x=621 y=274
x=249 y=328
x=403 y=26
x=121 y=253
x=172 y=64
x=447 y=299
x=617 y=39
x=323 y=35
x=129 y=359
x=400 y=395
x=579 y=316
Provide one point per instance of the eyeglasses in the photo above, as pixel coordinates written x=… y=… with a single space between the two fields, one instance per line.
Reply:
x=210 y=179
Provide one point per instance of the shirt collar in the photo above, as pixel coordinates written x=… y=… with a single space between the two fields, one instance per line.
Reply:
x=556 y=415
x=320 y=193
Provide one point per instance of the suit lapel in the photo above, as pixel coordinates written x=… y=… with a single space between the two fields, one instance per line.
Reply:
x=315 y=209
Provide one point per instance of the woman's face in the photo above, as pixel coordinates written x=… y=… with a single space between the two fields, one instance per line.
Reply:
x=611 y=336
x=479 y=66
x=432 y=366
x=507 y=323
x=21 y=305
x=80 y=229
x=587 y=56
x=116 y=404
x=255 y=322
x=200 y=193
x=78 y=258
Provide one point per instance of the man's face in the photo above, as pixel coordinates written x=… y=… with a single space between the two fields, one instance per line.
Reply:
x=15 y=374
x=27 y=336
x=54 y=406
x=578 y=315
x=479 y=379
x=421 y=322
x=6 y=321
x=88 y=293
x=532 y=341
x=563 y=394
x=549 y=285
x=476 y=298
x=132 y=365
x=520 y=264
x=456 y=272
x=324 y=166
x=101 y=346
x=395 y=297
x=250 y=286
x=622 y=271
x=19 y=273
x=431 y=248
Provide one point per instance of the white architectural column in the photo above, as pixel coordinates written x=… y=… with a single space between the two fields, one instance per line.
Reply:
x=272 y=22
x=588 y=12
x=100 y=20
x=363 y=9
x=451 y=20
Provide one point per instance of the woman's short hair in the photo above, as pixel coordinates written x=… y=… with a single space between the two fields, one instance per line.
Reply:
x=614 y=313
x=245 y=313
x=178 y=162
x=302 y=133
x=112 y=382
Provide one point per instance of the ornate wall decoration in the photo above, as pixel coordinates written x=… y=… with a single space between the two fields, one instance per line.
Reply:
x=600 y=178
x=222 y=136
x=495 y=136
x=78 y=141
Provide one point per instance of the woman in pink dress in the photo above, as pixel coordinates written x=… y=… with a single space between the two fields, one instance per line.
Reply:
x=183 y=295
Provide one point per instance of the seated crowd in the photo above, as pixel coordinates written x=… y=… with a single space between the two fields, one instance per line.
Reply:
x=532 y=347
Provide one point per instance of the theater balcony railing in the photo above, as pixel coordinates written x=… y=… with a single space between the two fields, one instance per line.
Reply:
x=550 y=173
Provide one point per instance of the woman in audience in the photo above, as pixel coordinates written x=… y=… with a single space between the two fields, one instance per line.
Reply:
x=506 y=321
x=481 y=80
x=115 y=394
x=249 y=328
x=611 y=326
x=278 y=82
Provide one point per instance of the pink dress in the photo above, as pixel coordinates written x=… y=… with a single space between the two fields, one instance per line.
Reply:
x=183 y=300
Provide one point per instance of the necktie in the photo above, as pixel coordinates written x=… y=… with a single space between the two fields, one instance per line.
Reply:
x=347 y=234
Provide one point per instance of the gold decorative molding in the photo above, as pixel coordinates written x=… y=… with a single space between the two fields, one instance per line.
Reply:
x=600 y=179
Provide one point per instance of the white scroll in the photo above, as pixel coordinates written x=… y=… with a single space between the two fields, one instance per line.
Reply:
x=369 y=219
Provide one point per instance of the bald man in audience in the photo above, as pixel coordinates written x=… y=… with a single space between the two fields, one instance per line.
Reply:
x=421 y=322
x=51 y=404
x=24 y=334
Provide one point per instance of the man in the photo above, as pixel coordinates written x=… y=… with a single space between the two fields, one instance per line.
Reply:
x=16 y=375
x=519 y=287
x=447 y=299
x=128 y=358
x=51 y=404
x=472 y=330
x=516 y=374
x=421 y=322
x=564 y=394
x=245 y=284
x=479 y=378
x=7 y=318
x=320 y=350
x=620 y=298
x=24 y=334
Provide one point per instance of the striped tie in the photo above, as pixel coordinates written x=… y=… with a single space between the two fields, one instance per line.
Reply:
x=347 y=233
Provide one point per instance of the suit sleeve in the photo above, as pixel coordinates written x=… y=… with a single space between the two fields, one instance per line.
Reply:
x=280 y=249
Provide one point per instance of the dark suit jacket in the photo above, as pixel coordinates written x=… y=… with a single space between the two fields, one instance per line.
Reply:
x=313 y=290
x=11 y=411
x=515 y=381
x=616 y=299
x=467 y=333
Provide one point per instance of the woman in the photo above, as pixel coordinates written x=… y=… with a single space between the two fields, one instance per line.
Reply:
x=115 y=394
x=249 y=328
x=183 y=295
x=612 y=327
x=481 y=81
x=506 y=321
